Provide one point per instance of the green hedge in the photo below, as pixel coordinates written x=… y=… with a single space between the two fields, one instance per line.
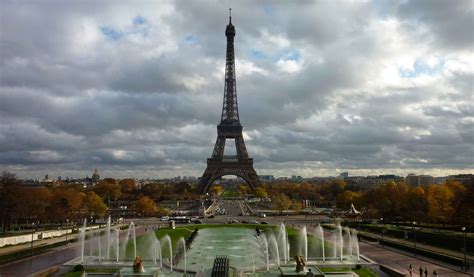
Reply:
x=441 y=240
x=434 y=255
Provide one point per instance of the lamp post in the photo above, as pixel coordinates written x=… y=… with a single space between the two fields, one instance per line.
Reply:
x=383 y=231
x=67 y=229
x=414 y=235
x=32 y=234
x=465 y=250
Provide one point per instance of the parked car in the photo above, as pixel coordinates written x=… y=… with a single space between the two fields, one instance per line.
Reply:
x=165 y=218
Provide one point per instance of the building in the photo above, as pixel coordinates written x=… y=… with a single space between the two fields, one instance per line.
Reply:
x=266 y=178
x=95 y=176
x=366 y=183
x=419 y=180
x=344 y=175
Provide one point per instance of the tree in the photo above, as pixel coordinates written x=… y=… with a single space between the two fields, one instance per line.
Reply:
x=182 y=187
x=417 y=207
x=127 y=185
x=64 y=203
x=296 y=206
x=162 y=211
x=95 y=205
x=439 y=200
x=36 y=203
x=10 y=198
x=216 y=190
x=146 y=206
x=261 y=192
x=243 y=189
x=281 y=202
x=346 y=198
x=108 y=190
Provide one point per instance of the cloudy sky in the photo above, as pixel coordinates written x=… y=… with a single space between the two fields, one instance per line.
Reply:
x=135 y=89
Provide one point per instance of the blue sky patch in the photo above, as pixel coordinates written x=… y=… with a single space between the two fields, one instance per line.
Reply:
x=291 y=55
x=111 y=32
x=139 y=20
x=422 y=68
x=190 y=39
x=268 y=10
x=256 y=55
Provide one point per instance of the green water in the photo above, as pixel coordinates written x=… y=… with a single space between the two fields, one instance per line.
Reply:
x=240 y=245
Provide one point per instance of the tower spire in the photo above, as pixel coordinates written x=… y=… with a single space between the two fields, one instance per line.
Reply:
x=229 y=129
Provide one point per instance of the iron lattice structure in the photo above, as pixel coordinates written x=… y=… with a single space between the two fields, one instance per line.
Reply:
x=229 y=128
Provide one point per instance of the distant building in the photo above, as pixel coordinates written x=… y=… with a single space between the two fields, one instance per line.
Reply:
x=419 y=180
x=412 y=180
x=296 y=178
x=466 y=179
x=366 y=183
x=266 y=178
x=344 y=175
x=426 y=180
x=95 y=176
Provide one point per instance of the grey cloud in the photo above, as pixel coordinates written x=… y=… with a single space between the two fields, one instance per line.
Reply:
x=72 y=99
x=450 y=21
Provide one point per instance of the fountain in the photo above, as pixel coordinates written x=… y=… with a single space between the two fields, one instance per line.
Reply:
x=283 y=241
x=355 y=244
x=83 y=238
x=274 y=247
x=117 y=244
x=320 y=238
x=99 y=243
x=266 y=252
x=247 y=251
x=182 y=243
x=167 y=240
x=108 y=237
x=349 y=241
x=303 y=242
x=157 y=252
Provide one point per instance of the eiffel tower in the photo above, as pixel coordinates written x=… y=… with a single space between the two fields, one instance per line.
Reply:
x=230 y=128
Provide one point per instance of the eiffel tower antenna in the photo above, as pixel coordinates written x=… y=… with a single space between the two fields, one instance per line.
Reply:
x=241 y=164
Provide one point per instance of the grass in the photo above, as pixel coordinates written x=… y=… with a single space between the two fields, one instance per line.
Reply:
x=89 y=270
x=362 y=272
x=334 y=269
x=366 y=272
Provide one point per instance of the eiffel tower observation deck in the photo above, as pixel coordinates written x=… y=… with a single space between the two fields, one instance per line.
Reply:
x=241 y=164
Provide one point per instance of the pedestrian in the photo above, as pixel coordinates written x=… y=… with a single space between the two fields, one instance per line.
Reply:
x=410 y=269
x=426 y=272
x=435 y=274
x=421 y=271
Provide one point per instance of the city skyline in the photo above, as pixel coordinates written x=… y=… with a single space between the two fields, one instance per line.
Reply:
x=136 y=89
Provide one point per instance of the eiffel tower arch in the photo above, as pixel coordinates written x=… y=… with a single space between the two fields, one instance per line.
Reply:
x=241 y=164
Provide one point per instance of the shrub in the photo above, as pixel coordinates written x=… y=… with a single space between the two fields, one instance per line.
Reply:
x=78 y=267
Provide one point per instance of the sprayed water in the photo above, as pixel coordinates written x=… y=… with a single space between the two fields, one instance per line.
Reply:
x=320 y=238
x=83 y=238
x=182 y=243
x=167 y=241
x=274 y=247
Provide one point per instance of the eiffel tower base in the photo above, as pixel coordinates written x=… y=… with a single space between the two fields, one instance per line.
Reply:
x=216 y=169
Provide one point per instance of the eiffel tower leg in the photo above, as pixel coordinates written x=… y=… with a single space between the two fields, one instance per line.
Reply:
x=219 y=147
x=205 y=182
x=241 y=149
